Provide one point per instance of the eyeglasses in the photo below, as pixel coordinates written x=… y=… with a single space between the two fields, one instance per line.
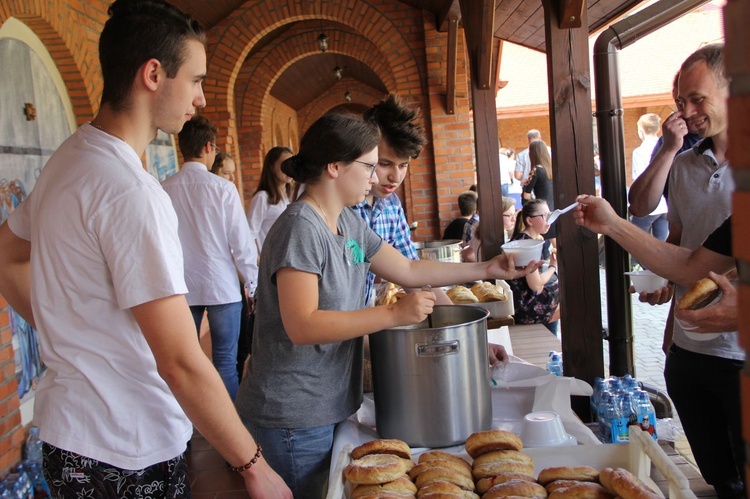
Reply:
x=216 y=148
x=371 y=166
x=545 y=216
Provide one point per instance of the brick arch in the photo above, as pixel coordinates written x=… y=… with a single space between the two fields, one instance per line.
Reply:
x=260 y=71
x=232 y=40
x=334 y=97
x=60 y=27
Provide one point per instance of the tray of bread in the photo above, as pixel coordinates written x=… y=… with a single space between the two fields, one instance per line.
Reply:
x=496 y=298
x=494 y=464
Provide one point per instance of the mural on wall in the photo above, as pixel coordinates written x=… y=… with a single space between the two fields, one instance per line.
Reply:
x=161 y=156
x=33 y=123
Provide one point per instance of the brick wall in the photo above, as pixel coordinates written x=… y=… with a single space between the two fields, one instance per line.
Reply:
x=736 y=14
x=11 y=431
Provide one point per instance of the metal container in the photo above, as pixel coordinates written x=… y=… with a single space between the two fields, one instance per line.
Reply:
x=448 y=250
x=432 y=385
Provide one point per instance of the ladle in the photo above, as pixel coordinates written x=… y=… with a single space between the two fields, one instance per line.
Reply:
x=555 y=214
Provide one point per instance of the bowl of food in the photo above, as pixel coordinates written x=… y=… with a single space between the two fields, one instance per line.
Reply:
x=645 y=281
x=545 y=429
x=524 y=251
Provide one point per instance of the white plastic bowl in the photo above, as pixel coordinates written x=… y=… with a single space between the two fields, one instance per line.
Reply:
x=545 y=429
x=645 y=281
x=524 y=251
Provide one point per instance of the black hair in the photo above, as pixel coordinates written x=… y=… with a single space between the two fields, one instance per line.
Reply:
x=194 y=136
x=333 y=137
x=467 y=203
x=268 y=180
x=136 y=31
x=400 y=126
x=531 y=208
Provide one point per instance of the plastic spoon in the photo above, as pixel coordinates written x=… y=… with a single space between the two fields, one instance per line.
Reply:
x=555 y=214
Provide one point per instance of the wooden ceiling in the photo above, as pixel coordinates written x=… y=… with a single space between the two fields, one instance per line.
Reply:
x=516 y=21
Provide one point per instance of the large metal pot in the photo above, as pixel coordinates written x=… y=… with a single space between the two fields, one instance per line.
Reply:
x=448 y=250
x=432 y=385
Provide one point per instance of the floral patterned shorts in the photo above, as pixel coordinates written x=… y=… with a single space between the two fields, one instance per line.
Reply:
x=71 y=475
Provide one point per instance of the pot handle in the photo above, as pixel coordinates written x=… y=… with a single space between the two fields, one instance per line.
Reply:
x=438 y=349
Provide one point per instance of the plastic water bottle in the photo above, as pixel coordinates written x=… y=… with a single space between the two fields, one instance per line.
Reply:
x=596 y=397
x=33 y=464
x=608 y=413
x=554 y=364
x=34 y=446
x=646 y=414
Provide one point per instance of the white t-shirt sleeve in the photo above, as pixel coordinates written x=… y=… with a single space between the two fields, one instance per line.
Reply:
x=256 y=214
x=142 y=250
x=241 y=240
x=19 y=222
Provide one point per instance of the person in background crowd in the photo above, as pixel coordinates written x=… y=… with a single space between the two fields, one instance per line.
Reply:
x=125 y=370
x=509 y=217
x=678 y=135
x=473 y=252
x=272 y=196
x=540 y=181
x=224 y=166
x=536 y=297
x=655 y=222
x=216 y=243
x=467 y=205
x=311 y=312
x=507 y=167
x=523 y=165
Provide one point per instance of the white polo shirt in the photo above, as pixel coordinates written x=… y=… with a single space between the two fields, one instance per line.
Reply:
x=103 y=240
x=214 y=235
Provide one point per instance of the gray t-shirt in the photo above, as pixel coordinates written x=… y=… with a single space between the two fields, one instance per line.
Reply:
x=301 y=386
x=700 y=199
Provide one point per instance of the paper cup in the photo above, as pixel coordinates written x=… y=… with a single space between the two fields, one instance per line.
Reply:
x=544 y=429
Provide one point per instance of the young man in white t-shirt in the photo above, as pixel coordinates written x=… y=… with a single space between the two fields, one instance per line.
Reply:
x=93 y=260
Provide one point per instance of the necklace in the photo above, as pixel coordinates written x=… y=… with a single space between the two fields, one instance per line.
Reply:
x=325 y=217
x=99 y=127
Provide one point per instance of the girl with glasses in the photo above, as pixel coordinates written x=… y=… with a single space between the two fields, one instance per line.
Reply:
x=305 y=374
x=536 y=296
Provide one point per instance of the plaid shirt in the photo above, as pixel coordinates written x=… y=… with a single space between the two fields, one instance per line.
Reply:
x=388 y=220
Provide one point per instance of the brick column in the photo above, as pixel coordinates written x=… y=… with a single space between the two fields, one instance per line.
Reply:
x=736 y=12
x=11 y=431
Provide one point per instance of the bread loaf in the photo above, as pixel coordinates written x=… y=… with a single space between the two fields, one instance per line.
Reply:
x=520 y=488
x=580 y=473
x=438 y=463
x=443 y=475
x=701 y=294
x=401 y=485
x=483 y=442
x=376 y=468
x=460 y=295
x=382 y=446
x=581 y=490
x=485 y=484
x=438 y=455
x=487 y=292
x=623 y=483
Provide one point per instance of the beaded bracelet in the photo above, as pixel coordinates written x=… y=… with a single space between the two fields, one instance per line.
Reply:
x=240 y=469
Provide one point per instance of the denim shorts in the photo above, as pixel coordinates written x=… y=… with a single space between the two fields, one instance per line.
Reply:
x=301 y=456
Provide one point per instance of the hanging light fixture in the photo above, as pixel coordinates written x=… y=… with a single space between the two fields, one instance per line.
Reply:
x=338 y=72
x=323 y=42
x=348 y=96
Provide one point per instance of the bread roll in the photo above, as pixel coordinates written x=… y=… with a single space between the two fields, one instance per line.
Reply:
x=581 y=490
x=376 y=468
x=483 y=442
x=519 y=488
x=401 y=485
x=383 y=446
x=487 y=292
x=485 y=484
x=561 y=484
x=504 y=456
x=443 y=475
x=438 y=455
x=460 y=295
x=701 y=294
x=622 y=483
x=580 y=473
x=494 y=469
x=445 y=489
x=438 y=463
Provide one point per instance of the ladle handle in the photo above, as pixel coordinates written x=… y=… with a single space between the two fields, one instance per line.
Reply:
x=427 y=287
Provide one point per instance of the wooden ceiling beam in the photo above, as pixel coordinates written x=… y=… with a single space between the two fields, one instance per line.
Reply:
x=571 y=12
x=450 y=10
x=479 y=26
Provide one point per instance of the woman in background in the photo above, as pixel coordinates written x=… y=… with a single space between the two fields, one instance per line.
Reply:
x=540 y=180
x=224 y=166
x=536 y=296
x=272 y=196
